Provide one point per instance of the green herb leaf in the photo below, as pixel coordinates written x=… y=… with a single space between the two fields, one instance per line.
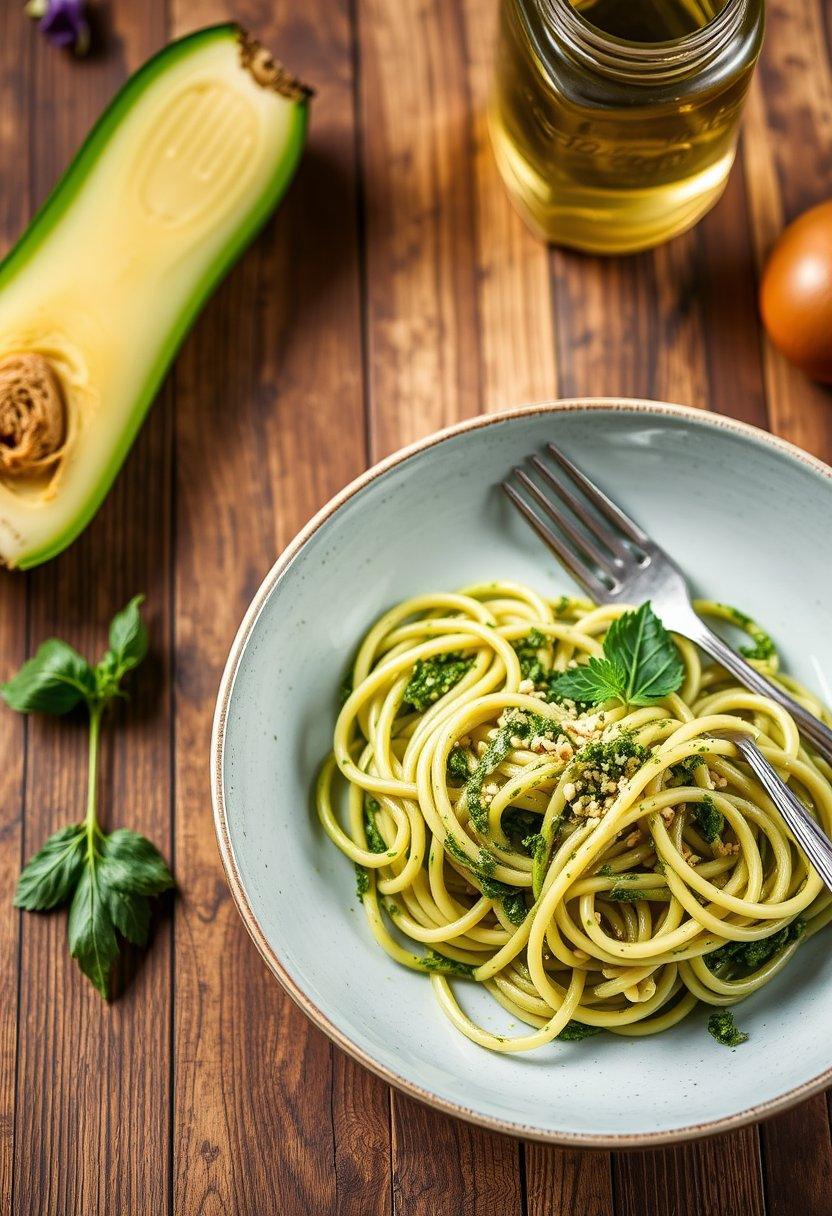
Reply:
x=640 y=664
x=51 y=876
x=641 y=644
x=592 y=683
x=131 y=863
x=722 y=1027
x=128 y=636
x=92 y=935
x=54 y=681
x=107 y=878
x=130 y=914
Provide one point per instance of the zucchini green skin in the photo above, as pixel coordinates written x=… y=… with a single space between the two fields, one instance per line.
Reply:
x=61 y=199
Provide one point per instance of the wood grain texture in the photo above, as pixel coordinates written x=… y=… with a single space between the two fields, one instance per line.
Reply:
x=648 y=326
x=395 y=291
x=517 y=355
x=796 y=1160
x=423 y=334
x=562 y=1181
x=426 y=370
x=717 y=1177
x=93 y=1080
x=15 y=89
x=468 y=1172
x=789 y=168
x=258 y=1102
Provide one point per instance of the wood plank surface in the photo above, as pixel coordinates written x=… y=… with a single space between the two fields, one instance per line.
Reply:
x=15 y=91
x=92 y=1100
x=257 y=1101
x=395 y=292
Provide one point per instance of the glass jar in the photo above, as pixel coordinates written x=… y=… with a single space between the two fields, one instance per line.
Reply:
x=614 y=122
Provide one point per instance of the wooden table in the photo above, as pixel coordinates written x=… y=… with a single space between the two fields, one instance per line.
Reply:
x=395 y=292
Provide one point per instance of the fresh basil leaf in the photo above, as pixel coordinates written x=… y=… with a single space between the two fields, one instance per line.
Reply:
x=641 y=645
x=130 y=914
x=128 y=636
x=54 y=681
x=92 y=936
x=131 y=863
x=591 y=683
x=50 y=877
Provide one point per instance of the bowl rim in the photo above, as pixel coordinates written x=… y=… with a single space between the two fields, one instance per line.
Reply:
x=695 y=1131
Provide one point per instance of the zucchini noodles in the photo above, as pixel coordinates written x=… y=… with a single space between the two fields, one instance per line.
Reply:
x=594 y=868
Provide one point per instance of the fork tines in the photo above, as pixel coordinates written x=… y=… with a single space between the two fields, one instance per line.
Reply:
x=595 y=539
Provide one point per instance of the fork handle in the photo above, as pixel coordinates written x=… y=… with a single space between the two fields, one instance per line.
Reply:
x=819 y=736
x=815 y=844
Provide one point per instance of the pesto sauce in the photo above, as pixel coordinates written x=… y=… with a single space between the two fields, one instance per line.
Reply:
x=433 y=678
x=743 y=958
x=709 y=820
x=362 y=881
x=723 y=1028
x=520 y=725
x=434 y=961
x=511 y=898
x=375 y=840
x=576 y=1032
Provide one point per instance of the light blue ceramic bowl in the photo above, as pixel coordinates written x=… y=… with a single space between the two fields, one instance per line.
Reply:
x=749 y=519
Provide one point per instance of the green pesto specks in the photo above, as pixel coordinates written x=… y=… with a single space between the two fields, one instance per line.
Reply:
x=683 y=773
x=511 y=899
x=518 y=824
x=708 y=819
x=632 y=895
x=536 y=846
x=575 y=1032
x=375 y=840
x=723 y=1028
x=520 y=725
x=763 y=647
x=457 y=766
x=434 y=961
x=741 y=958
x=362 y=881
x=433 y=678
x=527 y=649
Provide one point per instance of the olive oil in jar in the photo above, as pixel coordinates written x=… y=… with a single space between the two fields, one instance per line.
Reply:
x=614 y=122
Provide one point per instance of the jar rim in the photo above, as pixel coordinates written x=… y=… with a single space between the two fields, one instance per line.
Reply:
x=625 y=58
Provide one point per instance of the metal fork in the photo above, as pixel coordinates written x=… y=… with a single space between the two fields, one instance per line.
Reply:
x=615 y=561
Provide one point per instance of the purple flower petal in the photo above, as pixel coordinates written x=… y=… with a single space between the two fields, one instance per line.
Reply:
x=64 y=24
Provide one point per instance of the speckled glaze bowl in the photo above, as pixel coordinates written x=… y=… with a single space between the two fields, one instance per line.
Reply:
x=748 y=517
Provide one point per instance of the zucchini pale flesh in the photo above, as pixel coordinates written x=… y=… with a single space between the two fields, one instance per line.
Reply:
x=173 y=182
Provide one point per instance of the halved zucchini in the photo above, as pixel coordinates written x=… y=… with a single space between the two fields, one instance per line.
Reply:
x=173 y=182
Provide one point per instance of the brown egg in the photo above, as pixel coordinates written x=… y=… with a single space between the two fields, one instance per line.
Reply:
x=796 y=294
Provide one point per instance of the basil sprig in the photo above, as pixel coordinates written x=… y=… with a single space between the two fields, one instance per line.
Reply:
x=108 y=880
x=640 y=664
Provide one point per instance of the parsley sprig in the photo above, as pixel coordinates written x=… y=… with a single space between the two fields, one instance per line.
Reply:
x=108 y=880
x=640 y=664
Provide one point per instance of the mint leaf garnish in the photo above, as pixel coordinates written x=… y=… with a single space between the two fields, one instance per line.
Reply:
x=640 y=664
